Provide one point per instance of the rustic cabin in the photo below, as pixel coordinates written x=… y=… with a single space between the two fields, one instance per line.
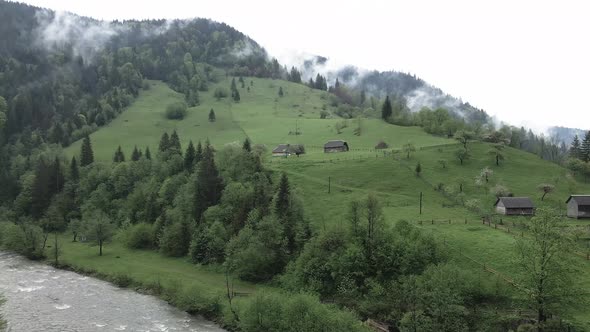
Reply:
x=578 y=206
x=515 y=206
x=285 y=150
x=336 y=146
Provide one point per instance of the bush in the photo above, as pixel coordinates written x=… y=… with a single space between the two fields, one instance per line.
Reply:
x=140 y=236
x=175 y=240
x=176 y=111
x=25 y=239
x=299 y=312
x=220 y=93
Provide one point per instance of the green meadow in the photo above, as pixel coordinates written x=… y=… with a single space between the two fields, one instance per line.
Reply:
x=328 y=182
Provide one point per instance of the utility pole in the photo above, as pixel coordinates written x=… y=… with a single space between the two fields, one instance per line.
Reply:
x=420 y=202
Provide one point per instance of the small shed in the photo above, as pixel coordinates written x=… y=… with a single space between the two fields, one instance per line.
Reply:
x=336 y=146
x=578 y=206
x=515 y=206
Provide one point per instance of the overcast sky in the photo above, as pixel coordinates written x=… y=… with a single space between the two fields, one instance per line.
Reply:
x=524 y=61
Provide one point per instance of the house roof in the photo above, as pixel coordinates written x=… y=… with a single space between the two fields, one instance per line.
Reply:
x=580 y=199
x=335 y=144
x=282 y=148
x=516 y=202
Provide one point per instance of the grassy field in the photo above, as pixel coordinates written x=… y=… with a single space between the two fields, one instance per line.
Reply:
x=260 y=115
x=328 y=182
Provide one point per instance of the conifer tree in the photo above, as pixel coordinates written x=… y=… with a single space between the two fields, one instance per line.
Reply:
x=74 y=171
x=386 y=110
x=40 y=195
x=199 y=153
x=209 y=184
x=189 y=157
x=148 y=154
x=86 y=153
x=282 y=201
x=237 y=96
x=585 y=148
x=164 y=142
x=211 y=115
x=56 y=178
x=281 y=93
x=576 y=148
x=135 y=155
x=119 y=156
x=233 y=85
x=247 y=146
x=174 y=143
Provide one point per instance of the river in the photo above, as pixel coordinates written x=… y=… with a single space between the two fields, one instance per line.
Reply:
x=41 y=298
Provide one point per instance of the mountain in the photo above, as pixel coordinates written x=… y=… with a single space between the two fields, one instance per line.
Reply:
x=566 y=135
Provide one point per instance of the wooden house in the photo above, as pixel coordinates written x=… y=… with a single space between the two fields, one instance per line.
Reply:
x=515 y=206
x=336 y=146
x=578 y=206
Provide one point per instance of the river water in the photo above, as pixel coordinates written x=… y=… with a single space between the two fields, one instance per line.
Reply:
x=41 y=298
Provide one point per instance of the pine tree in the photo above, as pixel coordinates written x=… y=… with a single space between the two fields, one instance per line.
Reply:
x=56 y=178
x=174 y=143
x=199 y=153
x=237 y=96
x=283 y=199
x=209 y=184
x=40 y=194
x=148 y=154
x=281 y=93
x=164 y=142
x=575 y=148
x=233 y=85
x=74 y=171
x=189 y=157
x=247 y=145
x=585 y=149
x=135 y=155
x=211 y=115
x=386 y=110
x=86 y=154
x=119 y=156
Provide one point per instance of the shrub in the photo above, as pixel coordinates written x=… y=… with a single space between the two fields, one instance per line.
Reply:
x=175 y=240
x=140 y=236
x=220 y=93
x=176 y=111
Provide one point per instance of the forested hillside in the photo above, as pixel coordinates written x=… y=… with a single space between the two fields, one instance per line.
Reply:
x=152 y=140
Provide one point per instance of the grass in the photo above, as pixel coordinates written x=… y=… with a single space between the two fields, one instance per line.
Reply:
x=260 y=115
x=270 y=120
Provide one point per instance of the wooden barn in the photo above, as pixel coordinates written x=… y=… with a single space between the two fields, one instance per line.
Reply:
x=578 y=206
x=515 y=206
x=285 y=150
x=336 y=146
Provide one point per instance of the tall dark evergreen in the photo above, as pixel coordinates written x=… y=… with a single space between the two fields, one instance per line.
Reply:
x=74 y=171
x=148 y=154
x=585 y=148
x=283 y=199
x=281 y=93
x=576 y=148
x=199 y=153
x=56 y=177
x=237 y=96
x=86 y=153
x=247 y=146
x=136 y=154
x=164 y=142
x=211 y=115
x=386 y=109
x=119 y=156
x=174 y=143
x=40 y=193
x=209 y=184
x=189 y=157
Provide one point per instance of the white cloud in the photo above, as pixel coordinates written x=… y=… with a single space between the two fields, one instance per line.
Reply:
x=524 y=61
